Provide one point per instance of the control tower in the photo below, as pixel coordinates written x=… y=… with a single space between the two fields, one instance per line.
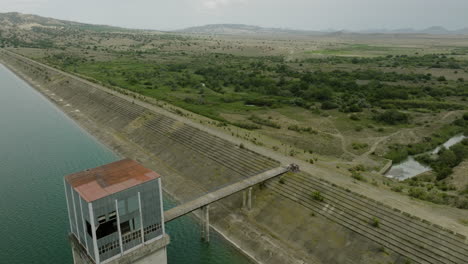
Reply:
x=116 y=215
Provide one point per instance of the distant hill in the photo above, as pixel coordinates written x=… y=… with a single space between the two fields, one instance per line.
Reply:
x=15 y=20
x=435 y=30
x=463 y=31
x=240 y=29
x=34 y=31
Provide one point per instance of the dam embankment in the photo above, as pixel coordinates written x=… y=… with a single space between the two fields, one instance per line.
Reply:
x=287 y=224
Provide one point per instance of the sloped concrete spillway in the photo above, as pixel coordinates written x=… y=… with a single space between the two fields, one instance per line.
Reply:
x=280 y=229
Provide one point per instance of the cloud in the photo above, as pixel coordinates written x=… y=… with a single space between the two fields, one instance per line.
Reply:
x=215 y=4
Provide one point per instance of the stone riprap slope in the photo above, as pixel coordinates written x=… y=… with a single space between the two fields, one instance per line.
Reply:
x=194 y=162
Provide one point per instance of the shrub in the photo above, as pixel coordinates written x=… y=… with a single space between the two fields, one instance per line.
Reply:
x=358 y=167
x=317 y=196
x=397 y=154
x=442 y=79
x=356 y=175
x=397 y=188
x=302 y=129
x=247 y=126
x=462 y=204
x=327 y=105
x=421 y=104
x=392 y=117
x=448 y=158
x=358 y=146
x=260 y=102
x=442 y=172
x=464 y=190
x=383 y=250
x=418 y=193
x=265 y=122
x=375 y=222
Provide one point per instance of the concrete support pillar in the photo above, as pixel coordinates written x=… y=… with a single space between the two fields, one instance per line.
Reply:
x=249 y=199
x=244 y=199
x=206 y=223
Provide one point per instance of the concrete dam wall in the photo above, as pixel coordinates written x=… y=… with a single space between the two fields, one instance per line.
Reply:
x=287 y=225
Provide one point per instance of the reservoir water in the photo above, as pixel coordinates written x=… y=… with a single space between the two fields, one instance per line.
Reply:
x=38 y=146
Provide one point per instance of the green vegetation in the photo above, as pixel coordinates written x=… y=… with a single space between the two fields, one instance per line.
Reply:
x=358 y=146
x=302 y=129
x=435 y=61
x=216 y=83
x=446 y=159
x=436 y=189
x=397 y=188
x=399 y=152
x=349 y=49
x=392 y=117
x=318 y=196
x=358 y=176
x=421 y=104
x=436 y=196
x=264 y=122
x=375 y=222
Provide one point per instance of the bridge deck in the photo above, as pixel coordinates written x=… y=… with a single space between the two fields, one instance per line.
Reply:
x=212 y=197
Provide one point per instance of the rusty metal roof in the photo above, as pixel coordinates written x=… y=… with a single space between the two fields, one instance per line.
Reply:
x=93 y=184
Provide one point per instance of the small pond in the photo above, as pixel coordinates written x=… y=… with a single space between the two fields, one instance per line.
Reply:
x=410 y=167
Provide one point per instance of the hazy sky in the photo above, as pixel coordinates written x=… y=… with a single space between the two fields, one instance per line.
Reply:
x=298 y=14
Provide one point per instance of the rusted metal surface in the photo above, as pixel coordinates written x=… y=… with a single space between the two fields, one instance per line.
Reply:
x=114 y=177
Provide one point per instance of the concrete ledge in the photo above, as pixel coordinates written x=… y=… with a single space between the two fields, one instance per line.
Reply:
x=80 y=256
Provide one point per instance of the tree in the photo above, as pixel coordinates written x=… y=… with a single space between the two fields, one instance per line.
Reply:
x=447 y=158
x=327 y=105
x=324 y=94
x=392 y=117
x=441 y=79
x=442 y=172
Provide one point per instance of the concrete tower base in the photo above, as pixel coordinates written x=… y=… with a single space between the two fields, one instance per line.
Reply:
x=152 y=253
